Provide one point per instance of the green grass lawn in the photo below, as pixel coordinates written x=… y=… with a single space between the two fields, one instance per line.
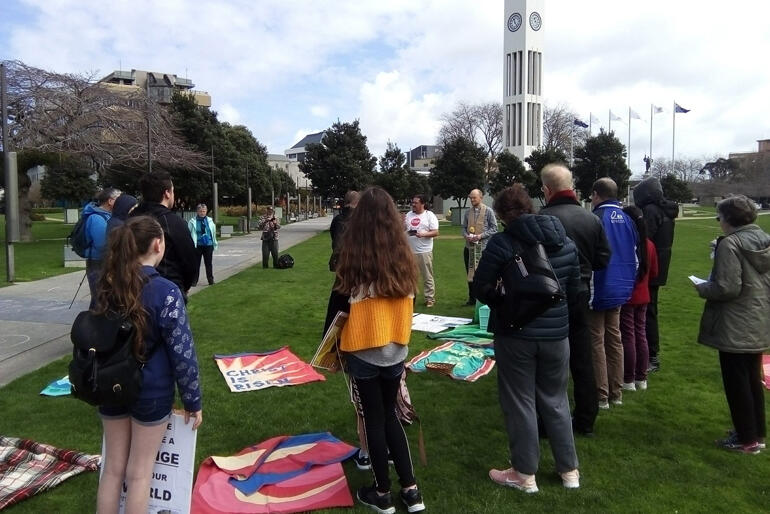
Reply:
x=41 y=258
x=653 y=454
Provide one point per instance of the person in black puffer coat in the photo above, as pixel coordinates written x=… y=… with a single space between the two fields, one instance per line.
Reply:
x=532 y=362
x=659 y=215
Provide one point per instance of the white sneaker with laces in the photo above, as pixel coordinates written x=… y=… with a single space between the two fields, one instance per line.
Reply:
x=641 y=385
x=570 y=479
x=629 y=386
x=512 y=478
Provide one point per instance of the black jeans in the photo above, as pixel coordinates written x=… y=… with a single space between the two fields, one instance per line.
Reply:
x=742 y=379
x=653 y=338
x=581 y=365
x=207 y=252
x=466 y=259
x=93 y=273
x=269 y=248
x=378 y=388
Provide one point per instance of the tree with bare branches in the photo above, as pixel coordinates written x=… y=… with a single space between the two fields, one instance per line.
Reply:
x=559 y=128
x=481 y=123
x=103 y=124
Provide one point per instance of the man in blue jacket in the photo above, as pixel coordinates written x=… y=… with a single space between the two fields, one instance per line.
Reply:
x=610 y=289
x=97 y=214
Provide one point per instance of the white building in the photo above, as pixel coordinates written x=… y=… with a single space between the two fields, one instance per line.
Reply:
x=523 y=43
x=281 y=162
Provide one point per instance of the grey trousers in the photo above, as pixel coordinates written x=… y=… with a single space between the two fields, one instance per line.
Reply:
x=532 y=378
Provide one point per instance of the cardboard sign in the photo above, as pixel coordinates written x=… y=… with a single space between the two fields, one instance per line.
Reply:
x=172 y=476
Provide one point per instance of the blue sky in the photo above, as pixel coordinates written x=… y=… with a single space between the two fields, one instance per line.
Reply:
x=287 y=67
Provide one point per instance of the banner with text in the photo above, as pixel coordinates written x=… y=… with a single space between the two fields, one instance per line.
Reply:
x=254 y=371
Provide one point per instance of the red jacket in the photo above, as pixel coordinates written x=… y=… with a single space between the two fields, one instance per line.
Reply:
x=641 y=294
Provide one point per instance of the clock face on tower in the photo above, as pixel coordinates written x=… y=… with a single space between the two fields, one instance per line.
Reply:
x=535 y=21
x=514 y=22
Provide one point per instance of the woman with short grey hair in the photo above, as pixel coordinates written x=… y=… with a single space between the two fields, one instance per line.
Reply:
x=735 y=319
x=204 y=235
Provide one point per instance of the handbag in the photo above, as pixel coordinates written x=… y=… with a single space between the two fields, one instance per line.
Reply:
x=529 y=286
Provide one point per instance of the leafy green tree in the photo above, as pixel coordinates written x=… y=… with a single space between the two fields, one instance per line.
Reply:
x=603 y=155
x=340 y=162
x=676 y=189
x=537 y=160
x=397 y=179
x=458 y=169
x=68 y=180
x=721 y=169
x=234 y=150
x=510 y=169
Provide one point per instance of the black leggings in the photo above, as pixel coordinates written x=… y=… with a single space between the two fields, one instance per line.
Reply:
x=384 y=431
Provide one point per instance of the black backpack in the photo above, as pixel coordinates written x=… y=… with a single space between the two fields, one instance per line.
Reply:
x=78 y=238
x=285 y=261
x=531 y=286
x=103 y=370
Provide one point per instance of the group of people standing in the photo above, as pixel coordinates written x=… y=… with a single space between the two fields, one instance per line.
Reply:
x=604 y=262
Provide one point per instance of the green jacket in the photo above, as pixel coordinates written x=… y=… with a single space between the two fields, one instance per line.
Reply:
x=736 y=317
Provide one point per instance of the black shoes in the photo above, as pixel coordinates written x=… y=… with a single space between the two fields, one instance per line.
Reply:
x=412 y=499
x=362 y=461
x=654 y=365
x=379 y=503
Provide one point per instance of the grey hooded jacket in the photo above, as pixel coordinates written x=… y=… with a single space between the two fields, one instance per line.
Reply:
x=735 y=318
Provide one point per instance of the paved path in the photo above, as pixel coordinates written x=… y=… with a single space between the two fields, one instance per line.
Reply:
x=35 y=317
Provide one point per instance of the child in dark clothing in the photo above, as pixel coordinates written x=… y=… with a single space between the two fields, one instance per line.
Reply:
x=633 y=313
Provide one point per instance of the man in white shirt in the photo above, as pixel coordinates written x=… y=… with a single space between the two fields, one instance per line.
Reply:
x=422 y=227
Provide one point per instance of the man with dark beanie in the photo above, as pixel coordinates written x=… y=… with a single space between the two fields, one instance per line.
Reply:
x=587 y=232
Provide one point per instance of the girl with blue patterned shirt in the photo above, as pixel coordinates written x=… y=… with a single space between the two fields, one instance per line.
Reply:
x=130 y=285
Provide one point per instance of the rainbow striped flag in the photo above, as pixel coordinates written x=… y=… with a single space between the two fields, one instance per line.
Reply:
x=276 y=368
x=281 y=475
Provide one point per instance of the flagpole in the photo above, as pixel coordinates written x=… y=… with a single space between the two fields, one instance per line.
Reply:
x=609 y=125
x=590 y=123
x=572 y=145
x=673 y=135
x=629 y=138
x=650 y=131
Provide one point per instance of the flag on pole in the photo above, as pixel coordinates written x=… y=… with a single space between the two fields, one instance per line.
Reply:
x=656 y=109
x=615 y=117
x=632 y=114
x=579 y=123
x=594 y=119
x=679 y=108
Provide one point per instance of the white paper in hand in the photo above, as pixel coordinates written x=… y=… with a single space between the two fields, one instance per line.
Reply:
x=695 y=280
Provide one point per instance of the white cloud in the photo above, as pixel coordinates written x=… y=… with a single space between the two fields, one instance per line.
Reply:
x=319 y=111
x=227 y=112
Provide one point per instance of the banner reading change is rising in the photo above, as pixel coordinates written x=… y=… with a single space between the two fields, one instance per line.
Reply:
x=277 y=368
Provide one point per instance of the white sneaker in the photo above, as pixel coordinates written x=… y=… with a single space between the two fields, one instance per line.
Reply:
x=629 y=386
x=512 y=478
x=641 y=385
x=616 y=401
x=571 y=479
x=604 y=405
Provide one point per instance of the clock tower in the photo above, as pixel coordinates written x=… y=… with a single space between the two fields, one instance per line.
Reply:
x=523 y=43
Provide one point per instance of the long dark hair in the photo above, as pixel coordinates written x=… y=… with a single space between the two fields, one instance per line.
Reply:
x=120 y=286
x=636 y=214
x=374 y=251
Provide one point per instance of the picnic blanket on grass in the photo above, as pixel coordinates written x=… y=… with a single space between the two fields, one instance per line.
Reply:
x=280 y=475
x=471 y=334
x=455 y=359
x=28 y=468
x=276 y=368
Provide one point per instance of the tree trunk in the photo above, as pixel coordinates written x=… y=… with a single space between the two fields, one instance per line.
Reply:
x=25 y=209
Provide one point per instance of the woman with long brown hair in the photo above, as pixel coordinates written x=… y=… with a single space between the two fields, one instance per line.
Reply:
x=131 y=287
x=377 y=270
